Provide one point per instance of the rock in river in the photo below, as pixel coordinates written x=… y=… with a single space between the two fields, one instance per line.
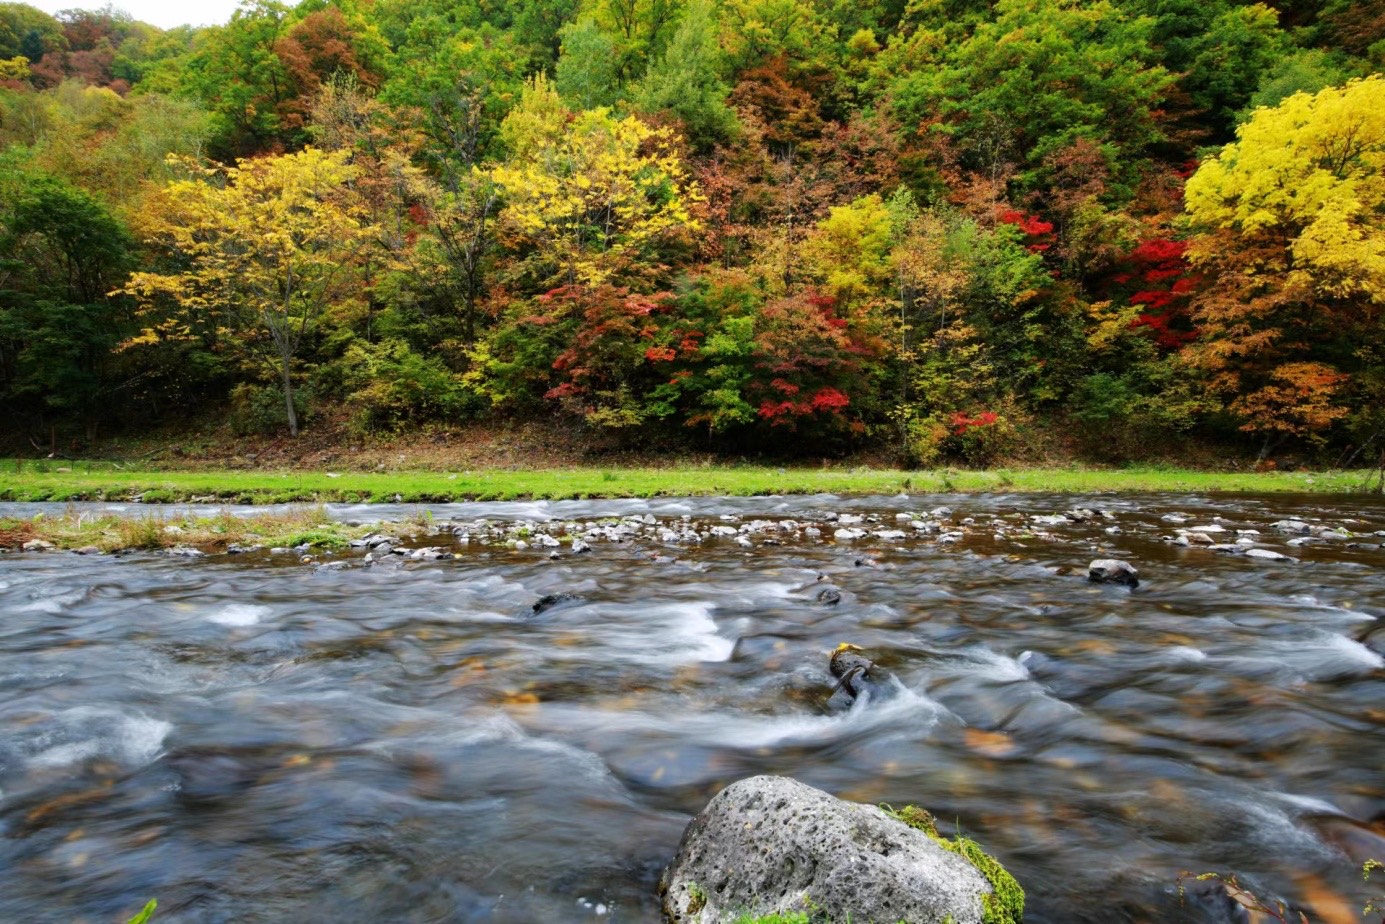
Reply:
x=770 y=844
x=549 y=601
x=858 y=675
x=1113 y=571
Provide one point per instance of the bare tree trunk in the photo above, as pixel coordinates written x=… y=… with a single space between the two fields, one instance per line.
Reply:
x=1272 y=441
x=288 y=400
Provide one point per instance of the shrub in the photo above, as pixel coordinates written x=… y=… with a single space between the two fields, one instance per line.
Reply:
x=258 y=410
x=393 y=387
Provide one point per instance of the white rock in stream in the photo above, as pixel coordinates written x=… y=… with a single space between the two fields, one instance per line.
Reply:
x=1113 y=571
x=1268 y=555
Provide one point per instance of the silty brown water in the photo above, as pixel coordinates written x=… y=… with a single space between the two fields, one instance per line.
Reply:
x=253 y=738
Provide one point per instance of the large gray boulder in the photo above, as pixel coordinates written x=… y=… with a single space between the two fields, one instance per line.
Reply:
x=769 y=845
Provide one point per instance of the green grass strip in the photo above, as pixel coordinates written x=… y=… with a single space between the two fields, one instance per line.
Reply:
x=45 y=481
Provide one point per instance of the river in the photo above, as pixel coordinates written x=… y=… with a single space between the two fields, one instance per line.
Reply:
x=255 y=738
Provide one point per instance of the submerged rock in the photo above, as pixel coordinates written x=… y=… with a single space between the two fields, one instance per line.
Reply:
x=1113 y=571
x=768 y=845
x=829 y=596
x=549 y=601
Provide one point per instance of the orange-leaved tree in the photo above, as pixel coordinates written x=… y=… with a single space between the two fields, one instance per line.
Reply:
x=1290 y=223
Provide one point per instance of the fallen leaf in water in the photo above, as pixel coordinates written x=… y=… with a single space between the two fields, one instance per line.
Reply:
x=1175 y=638
x=67 y=800
x=148 y=835
x=519 y=699
x=1328 y=907
x=990 y=743
x=1168 y=793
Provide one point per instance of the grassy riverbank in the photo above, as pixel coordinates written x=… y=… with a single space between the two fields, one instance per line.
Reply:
x=30 y=481
x=309 y=527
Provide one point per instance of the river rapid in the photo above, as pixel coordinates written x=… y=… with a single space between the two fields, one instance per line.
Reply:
x=259 y=738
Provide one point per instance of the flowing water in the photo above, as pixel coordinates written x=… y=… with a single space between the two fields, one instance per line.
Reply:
x=253 y=738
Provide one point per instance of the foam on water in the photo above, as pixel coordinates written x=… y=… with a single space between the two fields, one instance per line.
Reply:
x=999 y=667
x=85 y=732
x=904 y=713
x=498 y=728
x=669 y=632
x=239 y=614
x=40 y=606
x=693 y=626
x=51 y=603
x=1355 y=653
x=1270 y=825
x=1329 y=655
x=1309 y=803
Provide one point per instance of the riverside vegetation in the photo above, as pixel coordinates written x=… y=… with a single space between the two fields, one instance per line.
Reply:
x=937 y=230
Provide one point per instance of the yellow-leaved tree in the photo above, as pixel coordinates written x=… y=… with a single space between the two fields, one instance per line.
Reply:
x=1290 y=223
x=588 y=195
x=262 y=249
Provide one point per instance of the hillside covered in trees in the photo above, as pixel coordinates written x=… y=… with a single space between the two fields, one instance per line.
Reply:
x=937 y=228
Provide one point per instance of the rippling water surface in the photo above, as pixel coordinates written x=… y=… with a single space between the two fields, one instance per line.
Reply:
x=253 y=738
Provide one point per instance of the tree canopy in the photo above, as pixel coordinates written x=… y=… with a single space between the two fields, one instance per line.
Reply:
x=943 y=229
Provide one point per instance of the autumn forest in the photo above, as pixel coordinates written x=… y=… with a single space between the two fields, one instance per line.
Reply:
x=936 y=229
